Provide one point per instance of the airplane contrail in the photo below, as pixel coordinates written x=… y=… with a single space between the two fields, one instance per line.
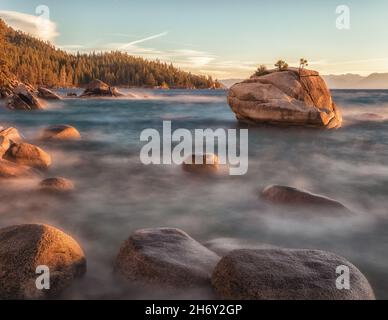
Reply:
x=144 y=39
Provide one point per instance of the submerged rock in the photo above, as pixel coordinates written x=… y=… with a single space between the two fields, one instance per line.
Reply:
x=285 y=98
x=284 y=195
x=25 y=247
x=61 y=132
x=198 y=163
x=47 y=94
x=285 y=274
x=12 y=170
x=165 y=256
x=28 y=155
x=97 y=88
x=24 y=98
x=57 y=185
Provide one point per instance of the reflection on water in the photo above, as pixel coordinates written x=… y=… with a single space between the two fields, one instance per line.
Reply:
x=116 y=194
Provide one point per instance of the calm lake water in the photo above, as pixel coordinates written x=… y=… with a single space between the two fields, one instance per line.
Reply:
x=117 y=194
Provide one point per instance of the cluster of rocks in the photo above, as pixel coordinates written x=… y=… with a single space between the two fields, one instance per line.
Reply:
x=169 y=258
x=23 y=96
x=21 y=159
x=290 y=97
x=97 y=88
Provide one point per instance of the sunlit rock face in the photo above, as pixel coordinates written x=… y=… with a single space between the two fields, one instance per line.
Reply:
x=291 y=97
x=60 y=133
x=25 y=247
x=28 y=155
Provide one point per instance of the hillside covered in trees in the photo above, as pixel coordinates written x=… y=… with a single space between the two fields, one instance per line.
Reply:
x=40 y=63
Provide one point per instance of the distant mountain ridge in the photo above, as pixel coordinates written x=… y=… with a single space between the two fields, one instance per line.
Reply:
x=343 y=81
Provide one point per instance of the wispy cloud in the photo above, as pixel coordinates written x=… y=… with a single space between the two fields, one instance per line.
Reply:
x=38 y=26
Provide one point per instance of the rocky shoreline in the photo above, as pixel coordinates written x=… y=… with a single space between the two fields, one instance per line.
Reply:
x=169 y=257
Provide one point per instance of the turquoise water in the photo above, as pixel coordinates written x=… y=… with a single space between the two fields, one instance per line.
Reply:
x=117 y=194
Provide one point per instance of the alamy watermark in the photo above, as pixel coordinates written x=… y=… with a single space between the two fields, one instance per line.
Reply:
x=178 y=147
x=343 y=18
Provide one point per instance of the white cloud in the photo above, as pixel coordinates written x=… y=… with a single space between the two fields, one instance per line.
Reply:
x=39 y=26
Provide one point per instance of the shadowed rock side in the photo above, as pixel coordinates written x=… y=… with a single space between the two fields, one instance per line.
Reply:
x=285 y=98
x=61 y=132
x=23 y=97
x=165 y=257
x=24 y=247
x=285 y=274
x=289 y=196
x=97 y=88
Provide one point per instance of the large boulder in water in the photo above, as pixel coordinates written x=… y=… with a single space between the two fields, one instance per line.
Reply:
x=290 y=196
x=165 y=257
x=289 y=97
x=25 y=247
x=97 y=88
x=60 y=132
x=24 y=98
x=28 y=155
x=47 y=94
x=285 y=274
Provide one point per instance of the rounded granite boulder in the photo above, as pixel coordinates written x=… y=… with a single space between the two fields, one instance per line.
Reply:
x=287 y=274
x=23 y=248
x=288 y=97
x=61 y=132
x=28 y=155
x=165 y=257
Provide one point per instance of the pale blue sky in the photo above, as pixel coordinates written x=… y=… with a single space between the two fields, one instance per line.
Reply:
x=223 y=38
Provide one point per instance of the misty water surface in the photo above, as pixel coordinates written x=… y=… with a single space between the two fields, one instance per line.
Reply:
x=117 y=194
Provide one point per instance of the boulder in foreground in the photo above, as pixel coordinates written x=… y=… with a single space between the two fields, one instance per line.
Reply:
x=28 y=155
x=284 y=195
x=284 y=274
x=57 y=185
x=61 y=132
x=25 y=247
x=97 y=88
x=165 y=257
x=285 y=98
